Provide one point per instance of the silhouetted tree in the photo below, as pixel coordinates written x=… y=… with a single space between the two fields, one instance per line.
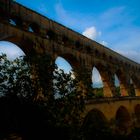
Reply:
x=59 y=109
x=15 y=77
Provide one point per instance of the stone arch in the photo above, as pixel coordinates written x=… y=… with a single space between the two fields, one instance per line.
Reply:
x=26 y=45
x=34 y=27
x=117 y=85
x=137 y=114
x=70 y=59
x=97 y=82
x=14 y=52
x=12 y=22
x=117 y=81
x=63 y=67
x=131 y=88
x=136 y=84
x=123 y=121
x=95 y=125
x=80 y=71
x=28 y=50
x=99 y=79
x=63 y=64
x=105 y=77
x=11 y=49
x=16 y=20
x=123 y=83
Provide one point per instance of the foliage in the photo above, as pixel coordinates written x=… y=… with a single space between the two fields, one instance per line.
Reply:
x=132 y=90
x=69 y=101
x=15 y=77
x=98 y=92
x=118 y=92
x=23 y=80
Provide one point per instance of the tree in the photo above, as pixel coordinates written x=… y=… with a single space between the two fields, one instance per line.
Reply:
x=15 y=77
x=62 y=103
x=69 y=101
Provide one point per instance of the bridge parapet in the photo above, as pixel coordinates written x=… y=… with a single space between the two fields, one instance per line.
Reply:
x=110 y=99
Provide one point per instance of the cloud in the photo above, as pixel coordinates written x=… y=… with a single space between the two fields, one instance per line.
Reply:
x=120 y=36
x=91 y=32
x=104 y=43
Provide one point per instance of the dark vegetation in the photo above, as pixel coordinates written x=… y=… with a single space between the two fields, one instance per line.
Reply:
x=32 y=107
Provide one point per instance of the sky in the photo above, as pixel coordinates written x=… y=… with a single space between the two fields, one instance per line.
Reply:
x=113 y=23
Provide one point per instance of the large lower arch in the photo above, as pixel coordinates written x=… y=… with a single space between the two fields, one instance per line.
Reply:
x=124 y=90
x=10 y=49
x=26 y=45
x=67 y=63
x=105 y=77
x=97 y=83
x=69 y=58
x=123 y=121
x=95 y=125
x=80 y=72
x=35 y=59
x=63 y=64
x=63 y=78
x=117 y=85
x=131 y=88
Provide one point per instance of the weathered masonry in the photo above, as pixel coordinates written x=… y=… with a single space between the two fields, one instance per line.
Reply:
x=38 y=35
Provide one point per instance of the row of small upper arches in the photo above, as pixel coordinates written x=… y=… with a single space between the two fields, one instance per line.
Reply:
x=33 y=27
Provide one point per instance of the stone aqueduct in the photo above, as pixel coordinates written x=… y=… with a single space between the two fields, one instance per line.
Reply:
x=37 y=35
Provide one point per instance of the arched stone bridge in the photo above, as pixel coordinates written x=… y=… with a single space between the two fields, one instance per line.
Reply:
x=37 y=35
